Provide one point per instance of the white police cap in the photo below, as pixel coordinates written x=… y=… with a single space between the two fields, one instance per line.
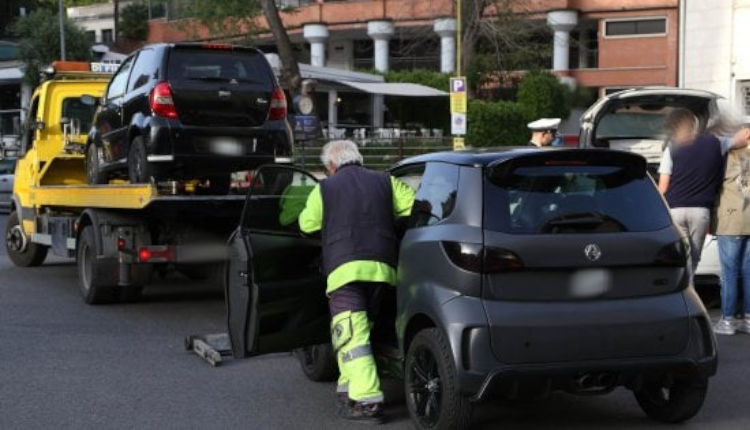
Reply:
x=544 y=124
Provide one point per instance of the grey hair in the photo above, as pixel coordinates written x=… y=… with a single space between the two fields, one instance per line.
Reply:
x=339 y=153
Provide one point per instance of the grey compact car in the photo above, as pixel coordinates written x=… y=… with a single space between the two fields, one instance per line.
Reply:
x=520 y=273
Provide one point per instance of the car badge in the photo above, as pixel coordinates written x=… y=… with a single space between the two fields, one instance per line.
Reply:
x=592 y=252
x=233 y=81
x=223 y=94
x=261 y=101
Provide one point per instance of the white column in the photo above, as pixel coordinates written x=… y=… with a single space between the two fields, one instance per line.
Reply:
x=316 y=35
x=446 y=29
x=561 y=22
x=380 y=32
x=333 y=111
x=26 y=91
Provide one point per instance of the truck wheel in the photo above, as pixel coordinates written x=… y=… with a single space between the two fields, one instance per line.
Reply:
x=22 y=252
x=98 y=284
x=94 y=174
x=430 y=384
x=139 y=172
x=318 y=362
x=673 y=403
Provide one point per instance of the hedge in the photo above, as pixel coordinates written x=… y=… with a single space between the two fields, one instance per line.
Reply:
x=542 y=96
x=496 y=124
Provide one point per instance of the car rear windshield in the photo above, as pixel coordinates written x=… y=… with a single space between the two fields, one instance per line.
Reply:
x=219 y=65
x=569 y=199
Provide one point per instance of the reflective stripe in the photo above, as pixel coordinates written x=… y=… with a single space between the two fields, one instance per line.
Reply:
x=342 y=388
x=371 y=400
x=356 y=352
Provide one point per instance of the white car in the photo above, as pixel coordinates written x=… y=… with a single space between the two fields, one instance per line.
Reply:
x=633 y=120
x=7 y=170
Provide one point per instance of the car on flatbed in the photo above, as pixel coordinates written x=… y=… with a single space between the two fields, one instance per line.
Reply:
x=521 y=273
x=117 y=232
x=189 y=111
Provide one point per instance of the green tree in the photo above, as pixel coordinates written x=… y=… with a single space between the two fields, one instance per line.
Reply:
x=541 y=95
x=39 y=34
x=134 y=21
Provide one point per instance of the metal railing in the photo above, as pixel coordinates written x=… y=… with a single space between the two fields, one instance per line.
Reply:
x=378 y=153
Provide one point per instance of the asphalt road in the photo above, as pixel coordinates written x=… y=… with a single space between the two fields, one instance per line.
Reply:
x=64 y=364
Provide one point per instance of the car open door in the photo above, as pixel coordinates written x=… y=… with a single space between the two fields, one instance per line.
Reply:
x=275 y=292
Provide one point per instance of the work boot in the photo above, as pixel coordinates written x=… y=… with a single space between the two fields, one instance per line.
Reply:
x=364 y=413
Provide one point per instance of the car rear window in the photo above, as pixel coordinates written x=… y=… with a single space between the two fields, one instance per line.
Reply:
x=569 y=199
x=219 y=65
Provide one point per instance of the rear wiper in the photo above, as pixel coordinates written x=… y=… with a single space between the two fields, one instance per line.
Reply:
x=209 y=78
x=580 y=219
x=222 y=79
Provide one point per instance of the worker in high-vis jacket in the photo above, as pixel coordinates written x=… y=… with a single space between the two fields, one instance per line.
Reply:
x=355 y=210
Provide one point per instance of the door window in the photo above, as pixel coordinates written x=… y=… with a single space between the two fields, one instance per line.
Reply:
x=120 y=80
x=436 y=196
x=276 y=197
x=145 y=69
x=28 y=131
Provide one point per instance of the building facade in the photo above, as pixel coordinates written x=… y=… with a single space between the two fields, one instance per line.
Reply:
x=717 y=50
x=605 y=44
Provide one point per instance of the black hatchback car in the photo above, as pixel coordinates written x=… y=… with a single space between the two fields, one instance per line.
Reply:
x=189 y=111
x=520 y=273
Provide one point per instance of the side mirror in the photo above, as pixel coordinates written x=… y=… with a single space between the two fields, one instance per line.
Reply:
x=89 y=100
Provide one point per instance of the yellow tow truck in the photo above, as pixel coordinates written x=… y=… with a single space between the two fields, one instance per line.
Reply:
x=117 y=232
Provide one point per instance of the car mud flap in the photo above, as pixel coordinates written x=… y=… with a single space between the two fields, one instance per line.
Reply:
x=210 y=347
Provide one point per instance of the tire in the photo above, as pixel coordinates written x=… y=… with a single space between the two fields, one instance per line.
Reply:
x=20 y=250
x=672 y=404
x=431 y=386
x=94 y=175
x=139 y=171
x=318 y=362
x=98 y=284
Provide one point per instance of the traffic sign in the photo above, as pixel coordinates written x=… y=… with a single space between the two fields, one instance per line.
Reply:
x=458 y=94
x=306 y=127
x=458 y=123
x=458 y=144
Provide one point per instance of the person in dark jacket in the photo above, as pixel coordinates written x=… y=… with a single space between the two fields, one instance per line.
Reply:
x=355 y=210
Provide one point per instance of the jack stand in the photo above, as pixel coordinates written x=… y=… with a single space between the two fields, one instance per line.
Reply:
x=210 y=347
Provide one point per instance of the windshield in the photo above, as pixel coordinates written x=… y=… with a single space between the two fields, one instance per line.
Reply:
x=573 y=199
x=74 y=109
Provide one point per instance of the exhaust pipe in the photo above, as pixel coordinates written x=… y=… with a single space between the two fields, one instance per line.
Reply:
x=606 y=380
x=585 y=381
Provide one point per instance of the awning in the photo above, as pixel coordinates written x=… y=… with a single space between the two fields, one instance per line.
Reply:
x=395 y=89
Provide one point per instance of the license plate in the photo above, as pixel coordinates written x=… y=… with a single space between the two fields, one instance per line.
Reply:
x=226 y=146
x=588 y=283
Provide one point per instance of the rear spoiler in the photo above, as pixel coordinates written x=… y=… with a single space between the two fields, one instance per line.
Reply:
x=635 y=164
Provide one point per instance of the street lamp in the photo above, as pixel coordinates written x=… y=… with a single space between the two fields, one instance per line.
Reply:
x=62 y=29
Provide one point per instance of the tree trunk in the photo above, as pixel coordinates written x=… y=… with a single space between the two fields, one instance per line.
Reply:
x=290 y=71
x=472 y=12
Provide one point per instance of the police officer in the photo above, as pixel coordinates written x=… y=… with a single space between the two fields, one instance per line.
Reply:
x=355 y=209
x=543 y=131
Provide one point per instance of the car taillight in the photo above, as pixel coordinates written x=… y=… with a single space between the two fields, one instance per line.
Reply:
x=220 y=46
x=278 y=105
x=501 y=260
x=674 y=254
x=161 y=101
x=480 y=259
